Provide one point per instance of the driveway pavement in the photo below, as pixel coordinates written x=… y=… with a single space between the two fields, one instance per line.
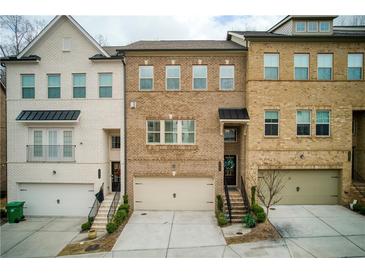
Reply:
x=38 y=237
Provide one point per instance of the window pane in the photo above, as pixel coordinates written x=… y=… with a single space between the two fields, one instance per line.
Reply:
x=355 y=60
x=115 y=141
x=79 y=92
x=105 y=79
x=188 y=138
x=324 y=26
x=271 y=129
x=230 y=135
x=171 y=138
x=105 y=92
x=323 y=117
x=146 y=84
x=27 y=80
x=303 y=129
x=322 y=130
x=354 y=73
x=188 y=125
x=200 y=83
x=38 y=148
x=153 y=125
x=271 y=60
x=173 y=71
x=52 y=141
x=226 y=71
x=300 y=26
x=53 y=80
x=79 y=80
x=173 y=83
x=200 y=71
x=153 y=137
x=301 y=74
x=301 y=60
x=146 y=72
x=171 y=125
x=271 y=116
x=312 y=26
x=28 y=93
x=54 y=92
x=227 y=84
x=324 y=73
x=271 y=74
x=324 y=60
x=303 y=117
x=67 y=142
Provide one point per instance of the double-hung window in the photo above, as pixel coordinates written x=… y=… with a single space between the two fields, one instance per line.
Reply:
x=200 y=77
x=188 y=131
x=226 y=77
x=271 y=66
x=146 y=78
x=54 y=86
x=324 y=66
x=354 y=63
x=79 y=85
x=115 y=142
x=324 y=26
x=271 y=123
x=105 y=85
x=303 y=123
x=170 y=132
x=312 y=26
x=28 y=86
x=323 y=123
x=301 y=66
x=67 y=143
x=172 y=77
x=300 y=26
x=153 y=132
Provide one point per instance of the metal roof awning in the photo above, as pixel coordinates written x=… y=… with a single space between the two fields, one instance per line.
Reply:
x=70 y=116
x=233 y=114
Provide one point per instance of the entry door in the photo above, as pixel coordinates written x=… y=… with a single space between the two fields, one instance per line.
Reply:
x=115 y=176
x=230 y=170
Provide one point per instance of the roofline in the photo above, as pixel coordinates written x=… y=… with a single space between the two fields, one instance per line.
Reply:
x=289 y=17
x=51 y=24
x=306 y=38
x=179 y=49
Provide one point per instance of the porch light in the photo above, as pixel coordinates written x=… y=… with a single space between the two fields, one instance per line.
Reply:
x=173 y=170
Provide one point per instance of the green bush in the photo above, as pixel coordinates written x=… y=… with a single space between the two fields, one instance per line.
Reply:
x=222 y=219
x=86 y=226
x=119 y=217
x=90 y=220
x=125 y=199
x=124 y=207
x=257 y=209
x=261 y=217
x=111 y=227
x=219 y=203
x=249 y=220
x=356 y=207
x=253 y=195
x=362 y=210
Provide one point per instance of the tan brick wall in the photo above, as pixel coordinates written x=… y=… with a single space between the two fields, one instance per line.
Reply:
x=287 y=95
x=201 y=159
x=3 y=180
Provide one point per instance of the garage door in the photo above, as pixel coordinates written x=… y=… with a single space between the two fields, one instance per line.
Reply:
x=173 y=193
x=56 y=199
x=312 y=187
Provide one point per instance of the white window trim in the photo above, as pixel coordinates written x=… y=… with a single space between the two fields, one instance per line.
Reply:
x=329 y=123
x=329 y=26
x=236 y=137
x=305 y=26
x=111 y=142
x=206 y=79
x=139 y=78
x=169 y=89
x=278 y=123
x=316 y=22
x=331 y=67
x=48 y=86
x=309 y=59
x=21 y=85
x=45 y=139
x=278 y=67
x=220 y=78
x=362 y=65
x=101 y=86
x=73 y=86
x=310 y=123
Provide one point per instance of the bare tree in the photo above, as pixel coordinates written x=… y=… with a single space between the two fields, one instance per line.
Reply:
x=101 y=39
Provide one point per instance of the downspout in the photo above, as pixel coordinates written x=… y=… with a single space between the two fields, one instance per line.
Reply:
x=125 y=124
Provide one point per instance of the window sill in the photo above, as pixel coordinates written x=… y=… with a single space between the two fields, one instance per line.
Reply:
x=171 y=147
x=271 y=137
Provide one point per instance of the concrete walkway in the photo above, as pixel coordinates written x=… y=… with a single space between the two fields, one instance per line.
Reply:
x=38 y=237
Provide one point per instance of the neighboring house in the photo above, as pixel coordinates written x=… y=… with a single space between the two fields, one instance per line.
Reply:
x=305 y=90
x=2 y=139
x=65 y=121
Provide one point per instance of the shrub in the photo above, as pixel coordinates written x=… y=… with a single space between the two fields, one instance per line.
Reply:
x=253 y=195
x=261 y=217
x=119 y=217
x=356 y=207
x=219 y=203
x=362 y=210
x=90 y=219
x=125 y=199
x=124 y=207
x=222 y=219
x=249 y=220
x=86 y=226
x=111 y=227
x=257 y=209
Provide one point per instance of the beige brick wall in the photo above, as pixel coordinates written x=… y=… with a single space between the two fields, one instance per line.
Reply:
x=201 y=159
x=3 y=180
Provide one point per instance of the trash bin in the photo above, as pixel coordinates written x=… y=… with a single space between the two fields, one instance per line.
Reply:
x=15 y=211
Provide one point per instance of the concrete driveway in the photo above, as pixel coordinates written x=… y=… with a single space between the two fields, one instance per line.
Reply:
x=38 y=236
x=320 y=231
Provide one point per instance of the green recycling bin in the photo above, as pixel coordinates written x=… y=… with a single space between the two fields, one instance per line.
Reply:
x=15 y=211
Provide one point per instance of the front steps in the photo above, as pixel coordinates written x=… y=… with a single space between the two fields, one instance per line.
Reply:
x=358 y=191
x=237 y=205
x=101 y=218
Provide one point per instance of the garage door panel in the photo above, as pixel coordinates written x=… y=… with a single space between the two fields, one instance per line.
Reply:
x=174 y=194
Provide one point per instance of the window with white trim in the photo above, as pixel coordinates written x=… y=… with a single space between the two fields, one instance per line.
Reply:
x=105 y=85
x=312 y=26
x=28 y=86
x=300 y=26
x=153 y=132
x=200 y=77
x=271 y=66
x=54 y=85
x=79 y=85
x=301 y=66
x=323 y=123
x=145 y=78
x=188 y=131
x=115 y=142
x=303 y=123
x=324 y=26
x=230 y=135
x=271 y=123
x=354 y=66
x=170 y=132
x=172 y=77
x=324 y=66
x=226 y=77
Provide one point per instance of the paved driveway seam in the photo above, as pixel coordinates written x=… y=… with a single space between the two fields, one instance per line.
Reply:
x=172 y=224
x=299 y=247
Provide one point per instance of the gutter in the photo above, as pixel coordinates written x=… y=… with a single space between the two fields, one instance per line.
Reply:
x=125 y=124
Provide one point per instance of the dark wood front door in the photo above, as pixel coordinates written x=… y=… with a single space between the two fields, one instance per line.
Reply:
x=115 y=176
x=230 y=167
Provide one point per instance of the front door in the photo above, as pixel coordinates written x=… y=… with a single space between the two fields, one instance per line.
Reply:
x=115 y=176
x=230 y=163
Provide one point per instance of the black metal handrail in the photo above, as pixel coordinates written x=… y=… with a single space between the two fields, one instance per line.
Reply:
x=113 y=206
x=228 y=200
x=244 y=194
x=96 y=205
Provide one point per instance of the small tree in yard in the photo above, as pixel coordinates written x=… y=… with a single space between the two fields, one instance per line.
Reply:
x=269 y=186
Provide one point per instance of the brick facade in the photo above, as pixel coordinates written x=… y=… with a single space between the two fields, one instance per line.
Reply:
x=3 y=180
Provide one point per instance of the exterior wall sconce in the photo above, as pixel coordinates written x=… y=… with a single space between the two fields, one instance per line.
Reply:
x=301 y=156
x=133 y=104
x=170 y=116
x=219 y=166
x=99 y=173
x=349 y=156
x=173 y=170
x=54 y=172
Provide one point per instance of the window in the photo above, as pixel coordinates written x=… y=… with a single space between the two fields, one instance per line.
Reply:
x=230 y=135
x=66 y=44
x=324 y=63
x=271 y=123
x=116 y=142
x=312 y=26
x=38 y=143
x=145 y=77
x=323 y=123
x=28 y=86
x=354 y=63
x=172 y=77
x=105 y=85
x=79 y=85
x=171 y=132
x=54 y=86
x=226 y=77
x=67 y=143
x=199 y=77
x=303 y=123
x=299 y=26
x=271 y=66
x=301 y=66
x=324 y=26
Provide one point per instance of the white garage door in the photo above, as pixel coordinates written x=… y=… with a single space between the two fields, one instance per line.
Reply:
x=56 y=199
x=152 y=193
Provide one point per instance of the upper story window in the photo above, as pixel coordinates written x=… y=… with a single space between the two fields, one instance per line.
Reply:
x=303 y=123
x=28 y=87
x=79 y=85
x=324 y=64
x=354 y=63
x=226 y=77
x=230 y=135
x=271 y=123
x=105 y=85
x=172 y=77
x=301 y=66
x=312 y=26
x=54 y=86
x=153 y=132
x=300 y=26
x=145 y=77
x=323 y=123
x=170 y=132
x=188 y=131
x=66 y=44
x=324 y=26
x=271 y=66
x=200 y=77
x=115 y=142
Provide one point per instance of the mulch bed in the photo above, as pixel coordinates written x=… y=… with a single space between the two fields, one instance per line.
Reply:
x=103 y=244
x=263 y=231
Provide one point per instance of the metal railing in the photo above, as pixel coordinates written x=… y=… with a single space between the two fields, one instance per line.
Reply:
x=57 y=153
x=244 y=194
x=228 y=201
x=113 y=206
x=360 y=182
x=99 y=197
